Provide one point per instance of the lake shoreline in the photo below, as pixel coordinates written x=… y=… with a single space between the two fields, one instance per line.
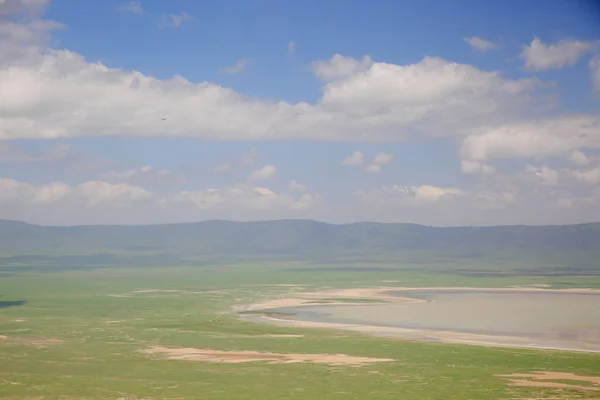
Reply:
x=345 y=297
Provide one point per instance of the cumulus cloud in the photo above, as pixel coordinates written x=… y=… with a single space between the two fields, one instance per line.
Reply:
x=143 y=175
x=558 y=136
x=133 y=6
x=480 y=44
x=264 y=173
x=223 y=166
x=240 y=66
x=362 y=100
x=591 y=176
x=56 y=93
x=419 y=195
x=14 y=191
x=374 y=168
x=354 y=159
x=248 y=198
x=294 y=186
x=579 y=158
x=594 y=65
x=545 y=174
x=475 y=167
x=23 y=7
x=89 y=193
x=493 y=200
x=564 y=53
x=339 y=67
x=120 y=194
x=174 y=20
x=383 y=158
x=378 y=161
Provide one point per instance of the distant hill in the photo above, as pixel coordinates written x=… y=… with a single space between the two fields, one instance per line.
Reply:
x=294 y=238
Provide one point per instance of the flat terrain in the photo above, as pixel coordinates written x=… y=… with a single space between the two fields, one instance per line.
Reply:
x=170 y=333
x=534 y=316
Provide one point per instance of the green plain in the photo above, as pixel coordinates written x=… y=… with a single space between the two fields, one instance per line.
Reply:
x=104 y=323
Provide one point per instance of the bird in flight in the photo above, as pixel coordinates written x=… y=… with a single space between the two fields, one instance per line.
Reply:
x=164 y=118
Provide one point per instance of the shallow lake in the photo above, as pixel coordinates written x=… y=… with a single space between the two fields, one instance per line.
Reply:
x=553 y=320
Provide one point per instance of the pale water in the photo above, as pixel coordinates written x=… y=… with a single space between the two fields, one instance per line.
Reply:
x=556 y=320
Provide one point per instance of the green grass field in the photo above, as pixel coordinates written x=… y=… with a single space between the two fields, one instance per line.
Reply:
x=81 y=332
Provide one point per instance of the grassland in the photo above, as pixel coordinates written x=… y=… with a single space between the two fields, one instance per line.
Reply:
x=80 y=333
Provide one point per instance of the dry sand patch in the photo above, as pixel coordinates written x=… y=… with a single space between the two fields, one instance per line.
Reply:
x=282 y=335
x=543 y=380
x=331 y=297
x=220 y=356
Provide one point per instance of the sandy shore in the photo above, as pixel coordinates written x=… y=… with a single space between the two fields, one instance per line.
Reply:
x=335 y=297
x=220 y=356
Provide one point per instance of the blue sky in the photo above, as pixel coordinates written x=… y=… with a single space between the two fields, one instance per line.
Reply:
x=484 y=113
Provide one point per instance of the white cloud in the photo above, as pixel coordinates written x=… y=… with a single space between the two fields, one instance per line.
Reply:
x=50 y=193
x=240 y=66
x=490 y=200
x=539 y=56
x=305 y=202
x=365 y=101
x=174 y=20
x=479 y=43
x=133 y=6
x=48 y=94
x=223 y=167
x=340 y=67
x=11 y=190
x=518 y=201
x=419 y=195
x=291 y=47
x=379 y=160
x=374 y=168
x=90 y=193
x=546 y=137
x=475 y=167
x=294 y=186
x=591 y=176
x=354 y=159
x=98 y=192
x=594 y=65
x=264 y=173
x=242 y=197
x=23 y=7
x=143 y=175
x=383 y=158
x=545 y=175
x=579 y=158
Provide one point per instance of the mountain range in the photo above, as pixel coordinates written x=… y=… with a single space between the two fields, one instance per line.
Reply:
x=293 y=237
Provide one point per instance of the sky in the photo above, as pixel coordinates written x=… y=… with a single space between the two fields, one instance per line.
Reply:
x=440 y=113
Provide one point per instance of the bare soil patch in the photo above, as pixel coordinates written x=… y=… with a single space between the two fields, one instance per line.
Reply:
x=332 y=297
x=258 y=336
x=220 y=356
x=544 y=380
